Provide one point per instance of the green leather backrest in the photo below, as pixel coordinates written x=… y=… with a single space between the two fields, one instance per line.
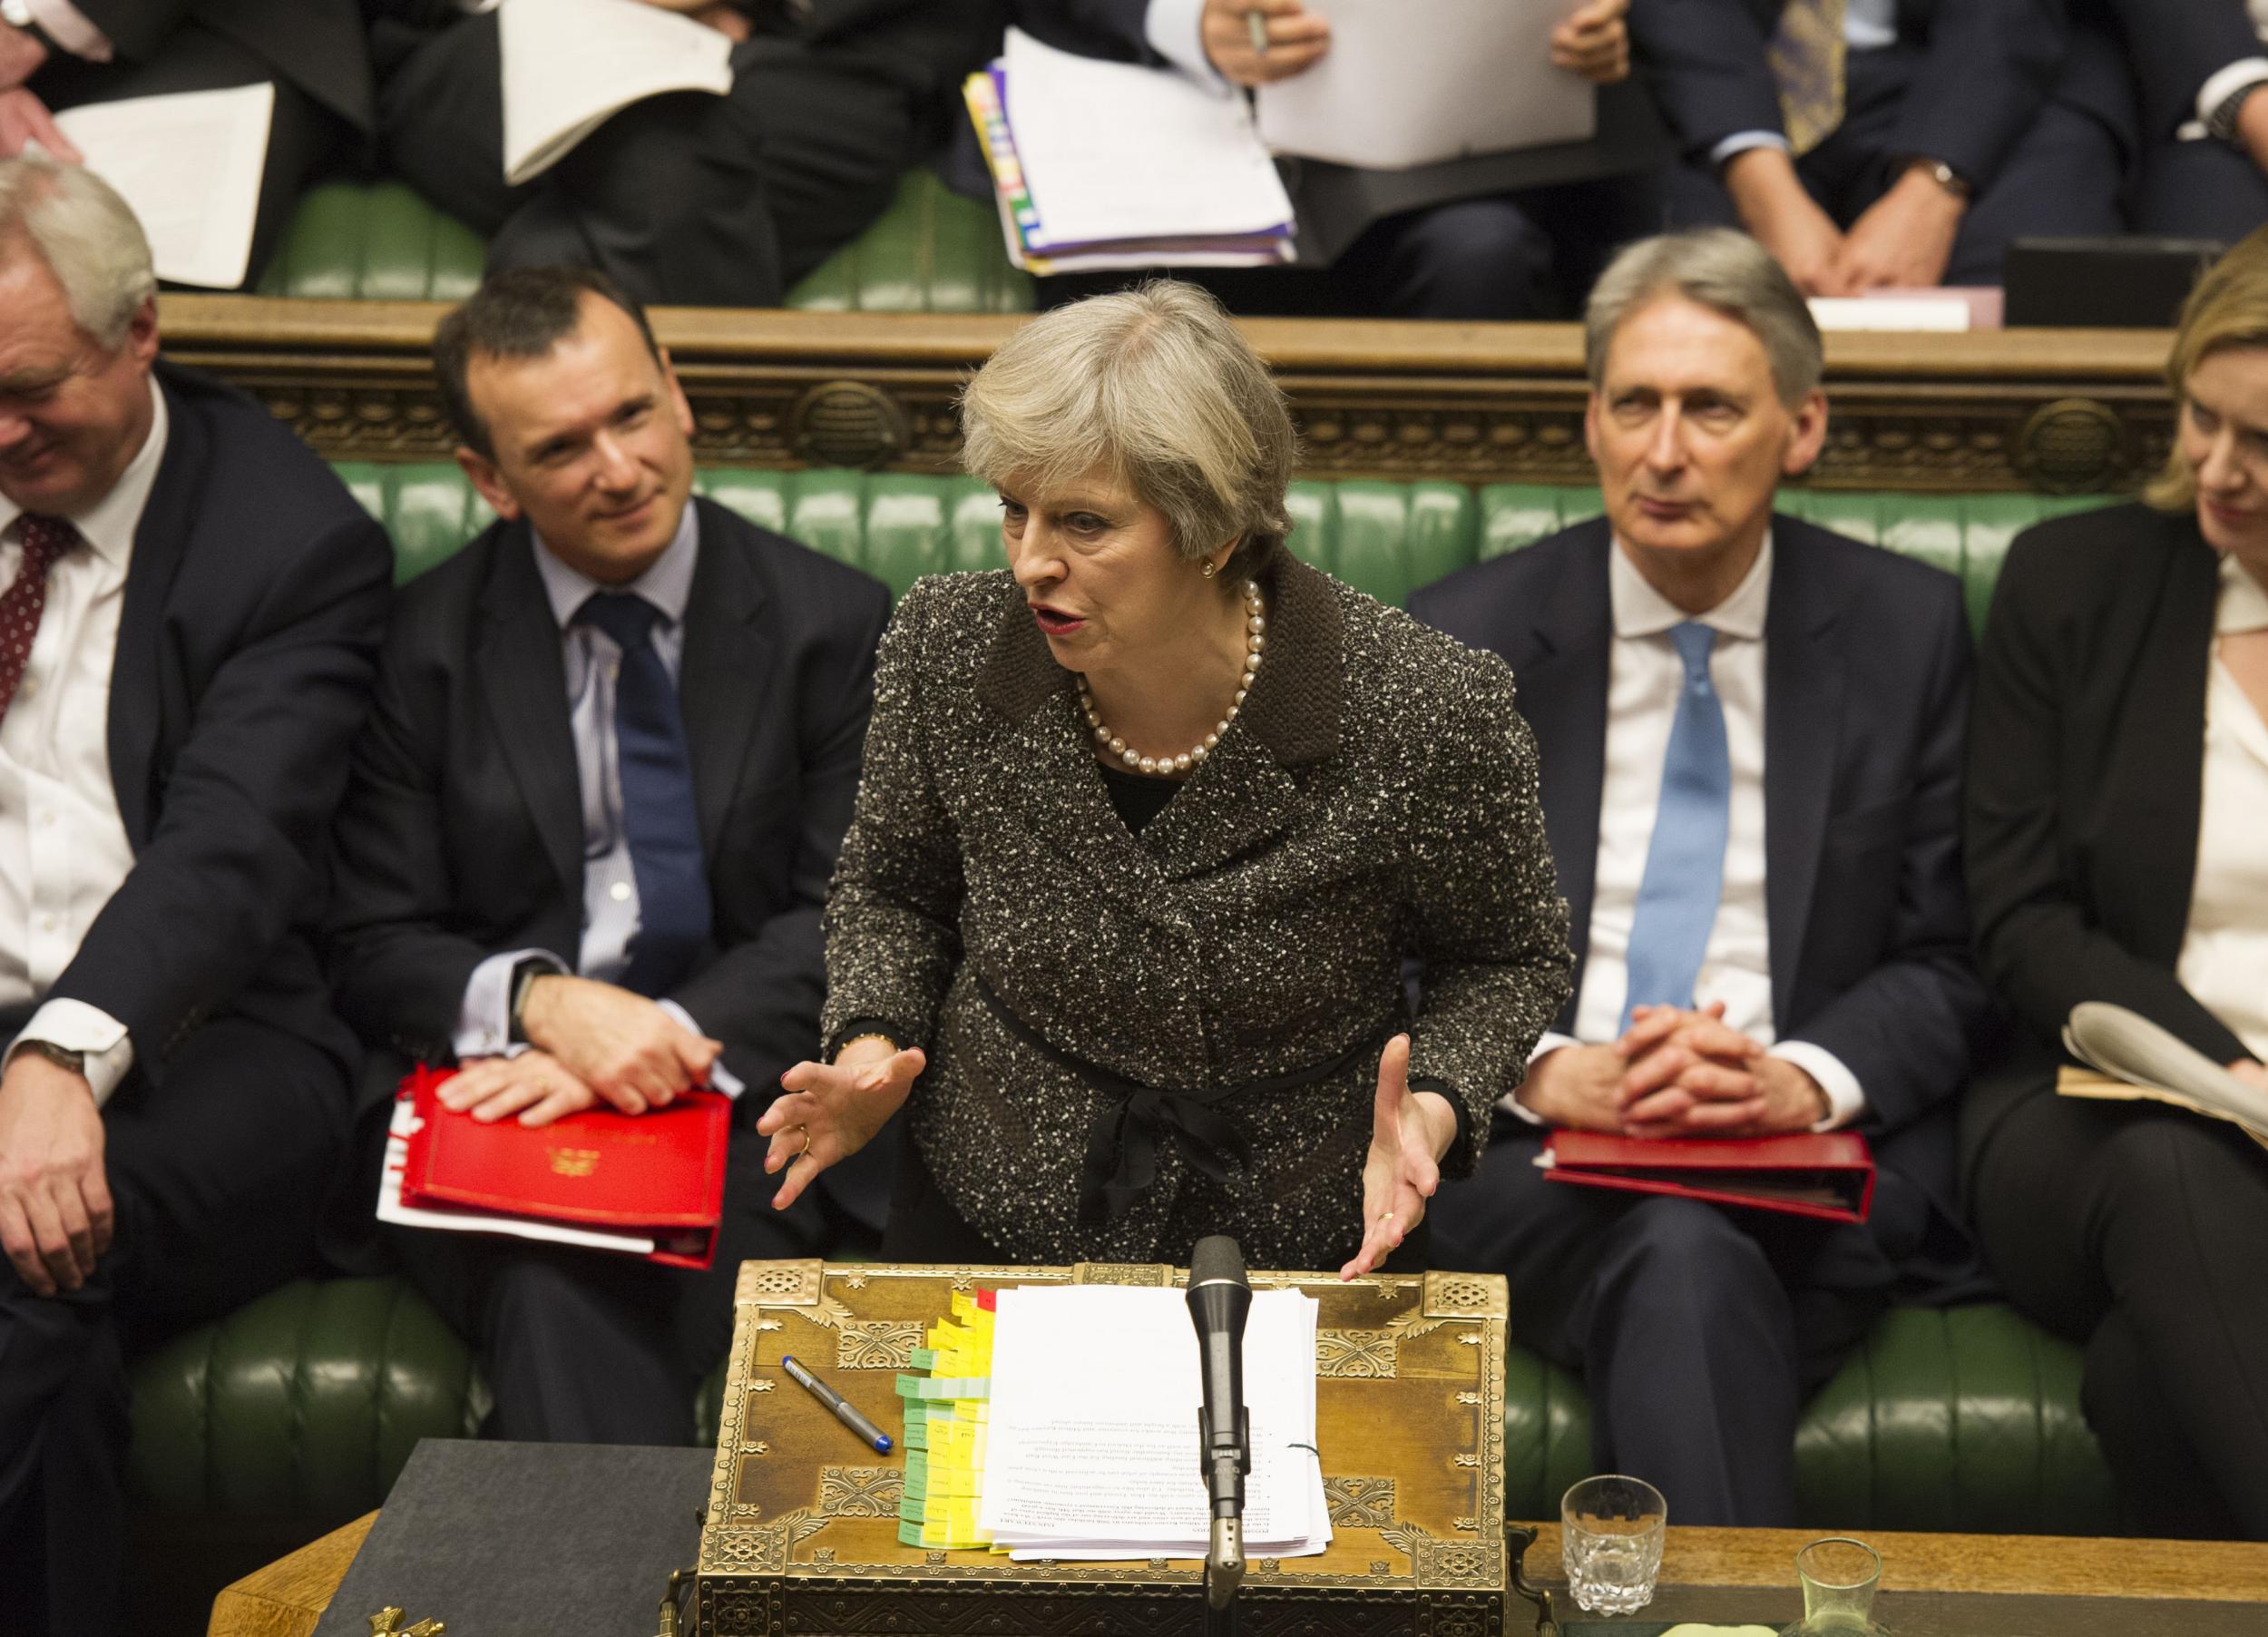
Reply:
x=1385 y=538
x=931 y=251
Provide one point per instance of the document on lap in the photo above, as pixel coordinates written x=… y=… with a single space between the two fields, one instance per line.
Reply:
x=2130 y=1058
x=650 y=1185
x=1093 y=1440
x=571 y=65
x=1400 y=88
x=1828 y=1175
x=190 y=165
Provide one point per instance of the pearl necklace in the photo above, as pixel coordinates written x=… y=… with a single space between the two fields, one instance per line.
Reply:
x=1255 y=641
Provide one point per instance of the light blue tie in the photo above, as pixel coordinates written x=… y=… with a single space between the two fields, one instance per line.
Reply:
x=1685 y=865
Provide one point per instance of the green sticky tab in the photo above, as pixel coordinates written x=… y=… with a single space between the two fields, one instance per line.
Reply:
x=924 y=1359
x=914 y=1387
x=909 y=1533
x=916 y=1431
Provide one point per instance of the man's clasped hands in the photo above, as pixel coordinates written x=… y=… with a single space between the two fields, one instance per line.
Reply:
x=1674 y=1073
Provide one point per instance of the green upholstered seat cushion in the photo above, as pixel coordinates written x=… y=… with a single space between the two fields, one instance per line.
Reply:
x=1383 y=538
x=931 y=252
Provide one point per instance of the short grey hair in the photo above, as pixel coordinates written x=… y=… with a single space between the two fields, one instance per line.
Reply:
x=88 y=237
x=1158 y=387
x=1720 y=268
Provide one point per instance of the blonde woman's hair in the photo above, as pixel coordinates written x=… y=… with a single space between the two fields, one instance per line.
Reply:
x=2228 y=309
x=88 y=237
x=1158 y=387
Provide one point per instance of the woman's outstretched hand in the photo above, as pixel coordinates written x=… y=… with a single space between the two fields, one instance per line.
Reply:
x=829 y=1112
x=1410 y=1130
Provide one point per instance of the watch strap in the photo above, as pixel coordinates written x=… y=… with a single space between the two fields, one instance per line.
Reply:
x=2221 y=121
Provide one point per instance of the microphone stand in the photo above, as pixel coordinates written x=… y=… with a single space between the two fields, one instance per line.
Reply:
x=1219 y=1296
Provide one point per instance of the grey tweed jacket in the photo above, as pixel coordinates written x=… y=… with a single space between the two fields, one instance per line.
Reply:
x=1376 y=798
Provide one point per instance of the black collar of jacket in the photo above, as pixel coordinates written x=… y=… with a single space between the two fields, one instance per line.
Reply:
x=1294 y=702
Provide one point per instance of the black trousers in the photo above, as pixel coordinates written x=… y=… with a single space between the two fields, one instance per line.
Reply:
x=2142 y=1232
x=2063 y=178
x=1532 y=254
x=2201 y=189
x=691 y=199
x=303 y=140
x=1699 y=1330
x=218 y=1177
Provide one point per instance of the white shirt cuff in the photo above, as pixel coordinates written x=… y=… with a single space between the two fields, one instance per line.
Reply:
x=1741 y=141
x=1846 y=1102
x=2225 y=85
x=720 y=1078
x=89 y=1031
x=1550 y=1042
x=1176 y=31
x=483 y=1019
x=68 y=27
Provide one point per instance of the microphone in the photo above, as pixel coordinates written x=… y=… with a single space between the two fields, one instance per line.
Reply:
x=1219 y=1299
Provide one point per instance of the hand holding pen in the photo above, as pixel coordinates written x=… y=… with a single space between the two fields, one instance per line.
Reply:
x=1252 y=41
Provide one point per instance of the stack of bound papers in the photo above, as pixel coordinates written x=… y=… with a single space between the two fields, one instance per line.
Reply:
x=1090 y=1448
x=1101 y=165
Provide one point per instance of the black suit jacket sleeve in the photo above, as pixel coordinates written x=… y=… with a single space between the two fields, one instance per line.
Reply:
x=1987 y=67
x=135 y=29
x=1114 y=29
x=239 y=848
x=2041 y=946
x=762 y=994
x=400 y=963
x=2173 y=47
x=1905 y=1029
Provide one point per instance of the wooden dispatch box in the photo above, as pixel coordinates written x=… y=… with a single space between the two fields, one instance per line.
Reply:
x=801 y=1539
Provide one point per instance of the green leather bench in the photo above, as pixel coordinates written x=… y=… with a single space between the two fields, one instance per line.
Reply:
x=254 y=1433
x=931 y=251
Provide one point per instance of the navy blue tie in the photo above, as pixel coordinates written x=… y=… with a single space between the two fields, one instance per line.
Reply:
x=1685 y=864
x=657 y=813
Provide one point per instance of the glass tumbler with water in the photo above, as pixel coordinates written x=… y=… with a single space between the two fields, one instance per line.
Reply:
x=1610 y=1541
x=1839 y=1578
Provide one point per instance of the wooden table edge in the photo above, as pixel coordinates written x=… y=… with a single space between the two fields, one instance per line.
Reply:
x=288 y=1596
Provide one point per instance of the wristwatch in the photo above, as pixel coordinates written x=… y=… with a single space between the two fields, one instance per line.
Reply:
x=2221 y=121
x=1944 y=175
x=63 y=1057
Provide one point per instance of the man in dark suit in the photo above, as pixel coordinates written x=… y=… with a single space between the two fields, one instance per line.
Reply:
x=1502 y=237
x=1750 y=731
x=56 y=54
x=2201 y=133
x=699 y=200
x=194 y=607
x=1873 y=142
x=590 y=829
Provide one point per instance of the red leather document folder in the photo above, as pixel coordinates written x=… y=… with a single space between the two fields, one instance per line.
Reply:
x=658 y=1175
x=1826 y=1174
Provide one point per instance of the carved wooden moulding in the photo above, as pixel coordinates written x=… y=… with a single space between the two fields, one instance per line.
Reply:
x=801 y=1535
x=2060 y=411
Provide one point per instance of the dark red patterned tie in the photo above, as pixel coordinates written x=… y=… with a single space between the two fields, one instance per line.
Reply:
x=45 y=539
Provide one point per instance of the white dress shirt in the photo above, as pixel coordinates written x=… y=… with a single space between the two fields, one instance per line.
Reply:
x=610 y=886
x=1645 y=677
x=2223 y=958
x=1176 y=31
x=64 y=849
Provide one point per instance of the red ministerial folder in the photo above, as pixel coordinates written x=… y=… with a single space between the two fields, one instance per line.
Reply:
x=1824 y=1174
x=659 y=1174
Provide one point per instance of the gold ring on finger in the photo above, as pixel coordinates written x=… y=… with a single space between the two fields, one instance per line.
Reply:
x=807 y=1142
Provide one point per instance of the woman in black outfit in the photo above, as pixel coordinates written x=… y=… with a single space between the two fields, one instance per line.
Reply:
x=2117 y=850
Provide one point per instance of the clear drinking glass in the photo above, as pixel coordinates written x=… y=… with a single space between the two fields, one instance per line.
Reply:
x=1839 y=1577
x=1611 y=1543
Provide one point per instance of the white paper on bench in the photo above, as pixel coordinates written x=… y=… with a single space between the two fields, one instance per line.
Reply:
x=190 y=164
x=571 y=65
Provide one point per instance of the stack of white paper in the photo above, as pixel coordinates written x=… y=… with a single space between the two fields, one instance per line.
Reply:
x=1092 y=1450
x=190 y=164
x=1101 y=164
